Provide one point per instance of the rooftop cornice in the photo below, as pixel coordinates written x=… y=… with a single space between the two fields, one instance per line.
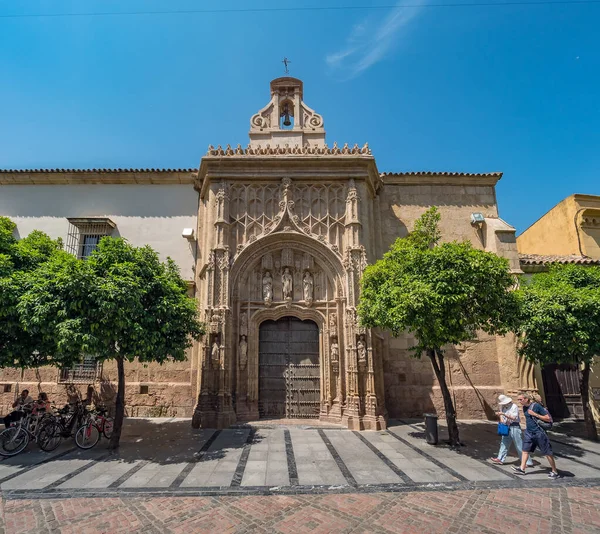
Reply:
x=96 y=176
x=541 y=259
x=286 y=150
x=440 y=178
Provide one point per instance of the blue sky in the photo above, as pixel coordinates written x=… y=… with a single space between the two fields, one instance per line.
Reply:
x=475 y=89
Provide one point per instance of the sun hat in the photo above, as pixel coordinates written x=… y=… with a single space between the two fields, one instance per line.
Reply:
x=503 y=399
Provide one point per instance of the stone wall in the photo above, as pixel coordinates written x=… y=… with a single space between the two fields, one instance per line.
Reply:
x=402 y=204
x=171 y=388
x=473 y=372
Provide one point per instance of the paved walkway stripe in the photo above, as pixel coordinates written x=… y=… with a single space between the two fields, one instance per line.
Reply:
x=71 y=493
x=129 y=474
x=83 y=468
x=573 y=446
x=33 y=466
x=571 y=459
x=385 y=459
x=241 y=466
x=338 y=460
x=430 y=458
x=188 y=468
x=291 y=459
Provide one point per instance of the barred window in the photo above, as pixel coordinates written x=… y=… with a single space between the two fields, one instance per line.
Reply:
x=89 y=370
x=85 y=234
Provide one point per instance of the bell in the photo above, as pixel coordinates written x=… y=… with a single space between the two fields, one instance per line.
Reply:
x=286 y=116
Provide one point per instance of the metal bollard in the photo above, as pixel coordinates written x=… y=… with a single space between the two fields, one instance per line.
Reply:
x=431 y=428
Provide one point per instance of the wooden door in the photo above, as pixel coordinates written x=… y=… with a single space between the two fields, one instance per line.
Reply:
x=561 y=387
x=289 y=374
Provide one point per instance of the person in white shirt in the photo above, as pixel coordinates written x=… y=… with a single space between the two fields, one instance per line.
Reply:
x=509 y=415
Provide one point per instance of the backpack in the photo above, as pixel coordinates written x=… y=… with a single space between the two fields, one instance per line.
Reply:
x=544 y=425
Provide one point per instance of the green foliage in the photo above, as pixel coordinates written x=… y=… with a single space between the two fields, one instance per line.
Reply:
x=441 y=294
x=559 y=317
x=120 y=303
x=20 y=347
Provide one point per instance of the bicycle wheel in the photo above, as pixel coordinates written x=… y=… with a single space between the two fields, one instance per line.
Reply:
x=48 y=437
x=109 y=424
x=87 y=436
x=13 y=440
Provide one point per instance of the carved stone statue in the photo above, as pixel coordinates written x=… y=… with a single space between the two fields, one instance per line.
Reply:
x=332 y=322
x=215 y=352
x=243 y=353
x=361 y=347
x=267 y=282
x=308 y=284
x=244 y=324
x=286 y=282
x=335 y=351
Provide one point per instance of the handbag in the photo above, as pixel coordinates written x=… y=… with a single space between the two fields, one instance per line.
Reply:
x=503 y=429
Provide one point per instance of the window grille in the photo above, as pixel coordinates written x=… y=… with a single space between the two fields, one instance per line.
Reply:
x=85 y=234
x=89 y=370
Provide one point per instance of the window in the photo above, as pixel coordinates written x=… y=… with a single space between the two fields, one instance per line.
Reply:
x=85 y=234
x=7 y=388
x=89 y=370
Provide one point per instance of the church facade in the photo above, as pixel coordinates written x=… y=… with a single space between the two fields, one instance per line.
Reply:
x=276 y=238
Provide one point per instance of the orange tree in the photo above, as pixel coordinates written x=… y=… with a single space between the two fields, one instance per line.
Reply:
x=121 y=304
x=560 y=323
x=441 y=293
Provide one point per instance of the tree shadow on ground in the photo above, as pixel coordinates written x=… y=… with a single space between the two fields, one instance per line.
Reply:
x=159 y=440
x=480 y=441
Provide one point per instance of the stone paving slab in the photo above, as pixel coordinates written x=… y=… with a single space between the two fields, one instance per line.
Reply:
x=314 y=463
x=363 y=464
x=170 y=458
x=217 y=466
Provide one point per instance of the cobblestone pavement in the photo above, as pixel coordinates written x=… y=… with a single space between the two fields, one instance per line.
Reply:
x=572 y=510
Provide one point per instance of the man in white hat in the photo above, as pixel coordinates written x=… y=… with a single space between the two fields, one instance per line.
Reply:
x=509 y=415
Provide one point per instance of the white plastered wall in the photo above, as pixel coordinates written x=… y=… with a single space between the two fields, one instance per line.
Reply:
x=152 y=215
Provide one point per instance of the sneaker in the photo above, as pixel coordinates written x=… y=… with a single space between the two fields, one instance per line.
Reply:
x=497 y=461
x=518 y=470
x=553 y=475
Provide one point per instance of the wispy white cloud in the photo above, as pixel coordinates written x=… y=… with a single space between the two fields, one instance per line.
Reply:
x=369 y=42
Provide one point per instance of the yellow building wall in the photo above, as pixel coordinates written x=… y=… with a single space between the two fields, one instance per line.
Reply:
x=553 y=233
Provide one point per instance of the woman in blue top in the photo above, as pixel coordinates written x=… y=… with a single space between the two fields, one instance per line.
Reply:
x=535 y=436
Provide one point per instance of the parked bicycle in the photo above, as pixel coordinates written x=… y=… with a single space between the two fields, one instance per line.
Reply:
x=98 y=425
x=38 y=427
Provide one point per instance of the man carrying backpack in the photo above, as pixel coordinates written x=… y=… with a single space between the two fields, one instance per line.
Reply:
x=537 y=420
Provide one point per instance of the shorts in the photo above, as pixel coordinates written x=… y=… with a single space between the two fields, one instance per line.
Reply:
x=533 y=440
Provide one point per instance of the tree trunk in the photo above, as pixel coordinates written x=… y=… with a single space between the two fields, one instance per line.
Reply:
x=439 y=367
x=119 y=405
x=590 y=424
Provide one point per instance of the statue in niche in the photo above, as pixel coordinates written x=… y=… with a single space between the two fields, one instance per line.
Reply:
x=215 y=352
x=286 y=282
x=332 y=322
x=361 y=347
x=267 y=283
x=335 y=350
x=308 y=284
x=244 y=324
x=243 y=353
